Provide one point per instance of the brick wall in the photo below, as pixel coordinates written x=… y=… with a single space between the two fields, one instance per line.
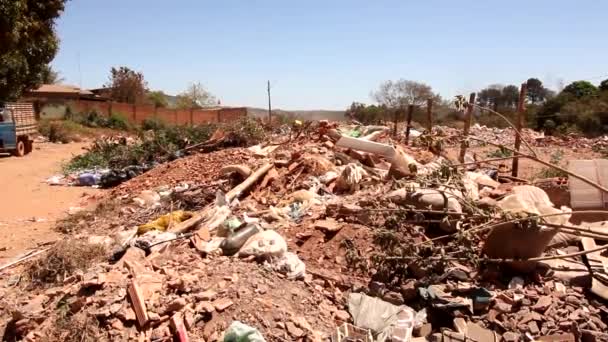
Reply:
x=138 y=113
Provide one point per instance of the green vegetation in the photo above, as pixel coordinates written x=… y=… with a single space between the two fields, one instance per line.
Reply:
x=556 y=159
x=28 y=43
x=63 y=131
x=158 y=142
x=115 y=121
x=579 y=108
x=500 y=153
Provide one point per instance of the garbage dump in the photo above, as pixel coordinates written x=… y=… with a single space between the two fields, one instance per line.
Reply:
x=327 y=231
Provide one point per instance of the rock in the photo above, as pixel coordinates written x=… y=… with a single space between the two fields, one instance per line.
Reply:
x=543 y=303
x=423 y=330
x=408 y=291
x=328 y=144
x=478 y=333
x=437 y=337
x=76 y=303
x=393 y=298
x=573 y=300
x=510 y=336
x=342 y=315
x=126 y=314
x=460 y=325
x=328 y=225
x=222 y=304
x=558 y=338
x=533 y=327
x=206 y=295
x=531 y=316
x=189 y=320
x=503 y=307
x=204 y=306
x=376 y=288
x=293 y=330
x=34 y=307
x=176 y=305
x=153 y=316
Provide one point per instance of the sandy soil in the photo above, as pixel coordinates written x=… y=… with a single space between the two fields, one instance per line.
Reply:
x=28 y=206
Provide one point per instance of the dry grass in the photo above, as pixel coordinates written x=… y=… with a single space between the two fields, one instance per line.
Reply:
x=78 y=221
x=64 y=258
x=80 y=327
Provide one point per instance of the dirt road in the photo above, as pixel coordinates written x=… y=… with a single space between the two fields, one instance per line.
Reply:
x=28 y=206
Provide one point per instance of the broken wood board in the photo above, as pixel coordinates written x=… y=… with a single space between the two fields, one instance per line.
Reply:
x=139 y=306
x=598 y=265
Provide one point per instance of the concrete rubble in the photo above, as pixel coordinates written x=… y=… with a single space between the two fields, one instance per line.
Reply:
x=342 y=233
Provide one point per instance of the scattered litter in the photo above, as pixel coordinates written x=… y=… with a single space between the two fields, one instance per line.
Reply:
x=240 y=332
x=165 y=221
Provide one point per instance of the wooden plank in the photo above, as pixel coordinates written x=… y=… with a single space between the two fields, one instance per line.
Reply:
x=139 y=305
x=598 y=265
x=177 y=323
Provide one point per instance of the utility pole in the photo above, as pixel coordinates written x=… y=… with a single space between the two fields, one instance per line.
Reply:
x=269 y=105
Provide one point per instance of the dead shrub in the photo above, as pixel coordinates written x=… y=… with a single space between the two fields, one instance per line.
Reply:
x=80 y=327
x=63 y=259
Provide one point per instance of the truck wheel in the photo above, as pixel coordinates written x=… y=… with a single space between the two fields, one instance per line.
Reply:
x=29 y=146
x=20 y=150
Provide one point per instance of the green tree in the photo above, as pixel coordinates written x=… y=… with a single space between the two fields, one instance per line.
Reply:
x=581 y=89
x=509 y=96
x=158 y=98
x=537 y=93
x=604 y=85
x=196 y=96
x=50 y=76
x=127 y=85
x=367 y=114
x=28 y=43
x=401 y=93
x=491 y=96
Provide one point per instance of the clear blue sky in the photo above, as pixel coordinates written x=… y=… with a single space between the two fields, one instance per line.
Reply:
x=326 y=54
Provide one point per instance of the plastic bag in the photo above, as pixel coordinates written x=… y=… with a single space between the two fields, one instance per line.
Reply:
x=163 y=222
x=264 y=244
x=240 y=332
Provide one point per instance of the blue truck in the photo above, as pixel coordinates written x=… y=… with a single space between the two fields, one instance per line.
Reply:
x=17 y=128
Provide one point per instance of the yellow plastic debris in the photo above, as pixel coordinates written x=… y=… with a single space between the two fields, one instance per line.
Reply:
x=163 y=222
x=298 y=122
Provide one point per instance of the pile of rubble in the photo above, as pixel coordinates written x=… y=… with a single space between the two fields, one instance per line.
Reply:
x=324 y=232
x=506 y=136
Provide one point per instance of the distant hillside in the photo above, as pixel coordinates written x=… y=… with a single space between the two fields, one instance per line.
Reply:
x=332 y=115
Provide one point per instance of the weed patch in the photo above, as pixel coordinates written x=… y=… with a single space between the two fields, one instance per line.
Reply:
x=64 y=258
x=63 y=131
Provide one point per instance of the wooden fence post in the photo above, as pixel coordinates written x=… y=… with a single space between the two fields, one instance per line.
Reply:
x=429 y=115
x=396 y=120
x=467 y=126
x=521 y=108
x=410 y=111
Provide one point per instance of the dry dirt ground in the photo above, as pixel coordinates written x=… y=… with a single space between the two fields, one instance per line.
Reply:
x=28 y=206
